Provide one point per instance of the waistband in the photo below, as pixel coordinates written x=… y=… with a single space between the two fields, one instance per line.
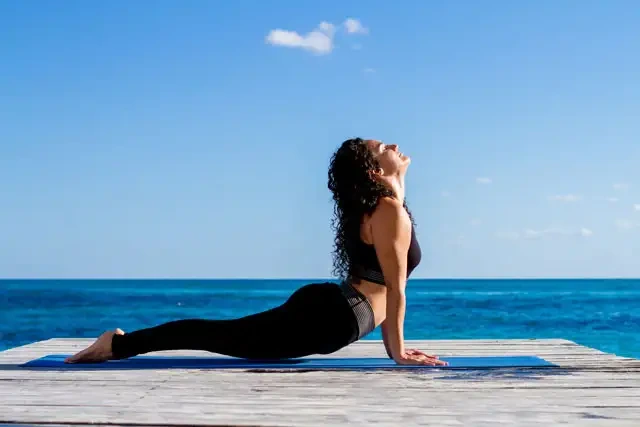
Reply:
x=368 y=274
x=361 y=309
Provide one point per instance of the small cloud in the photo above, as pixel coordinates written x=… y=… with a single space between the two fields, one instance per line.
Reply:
x=613 y=199
x=585 y=232
x=620 y=186
x=354 y=26
x=566 y=198
x=445 y=194
x=319 y=41
x=483 y=180
x=356 y=46
x=459 y=240
x=327 y=27
x=530 y=234
x=625 y=224
x=369 y=70
x=508 y=235
x=636 y=207
x=475 y=221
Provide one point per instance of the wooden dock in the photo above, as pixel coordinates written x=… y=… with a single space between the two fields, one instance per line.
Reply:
x=588 y=387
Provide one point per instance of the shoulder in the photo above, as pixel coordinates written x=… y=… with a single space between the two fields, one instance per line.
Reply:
x=389 y=208
x=390 y=214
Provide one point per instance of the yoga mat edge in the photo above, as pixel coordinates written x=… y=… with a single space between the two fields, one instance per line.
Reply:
x=343 y=363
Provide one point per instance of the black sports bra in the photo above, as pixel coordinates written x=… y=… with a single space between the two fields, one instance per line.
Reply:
x=365 y=264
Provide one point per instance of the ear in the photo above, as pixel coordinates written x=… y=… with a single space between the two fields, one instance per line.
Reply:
x=375 y=174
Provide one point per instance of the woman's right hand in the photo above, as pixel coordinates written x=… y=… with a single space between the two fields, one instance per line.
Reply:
x=99 y=351
x=416 y=357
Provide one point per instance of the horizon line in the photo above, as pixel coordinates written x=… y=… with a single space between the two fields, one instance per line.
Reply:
x=324 y=278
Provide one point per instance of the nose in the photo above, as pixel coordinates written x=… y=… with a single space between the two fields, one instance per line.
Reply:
x=394 y=147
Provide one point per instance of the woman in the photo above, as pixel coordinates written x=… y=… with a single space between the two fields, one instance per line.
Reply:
x=375 y=252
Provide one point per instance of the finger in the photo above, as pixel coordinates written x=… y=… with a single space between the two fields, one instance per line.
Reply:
x=411 y=360
x=422 y=356
x=422 y=353
x=439 y=362
x=431 y=361
x=82 y=354
x=79 y=355
x=423 y=360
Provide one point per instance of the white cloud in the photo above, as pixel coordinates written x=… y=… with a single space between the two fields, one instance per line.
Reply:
x=509 y=235
x=529 y=233
x=636 y=207
x=532 y=234
x=586 y=232
x=354 y=26
x=566 y=198
x=327 y=27
x=625 y=224
x=445 y=194
x=369 y=70
x=319 y=41
x=459 y=240
x=620 y=186
x=475 y=221
x=613 y=199
x=483 y=180
x=356 y=46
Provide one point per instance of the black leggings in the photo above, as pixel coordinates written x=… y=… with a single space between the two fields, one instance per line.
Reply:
x=315 y=319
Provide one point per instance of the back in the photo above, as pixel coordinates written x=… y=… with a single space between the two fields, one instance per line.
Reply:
x=365 y=263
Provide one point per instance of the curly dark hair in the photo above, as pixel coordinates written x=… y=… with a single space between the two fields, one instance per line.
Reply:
x=355 y=194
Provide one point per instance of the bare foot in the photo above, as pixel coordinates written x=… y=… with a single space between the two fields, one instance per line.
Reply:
x=99 y=351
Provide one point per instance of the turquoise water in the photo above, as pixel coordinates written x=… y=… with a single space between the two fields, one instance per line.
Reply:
x=604 y=314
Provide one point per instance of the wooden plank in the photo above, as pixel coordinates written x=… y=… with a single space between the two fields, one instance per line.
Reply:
x=369 y=347
x=562 y=352
x=590 y=388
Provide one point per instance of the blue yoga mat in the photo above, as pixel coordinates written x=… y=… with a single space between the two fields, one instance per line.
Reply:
x=355 y=363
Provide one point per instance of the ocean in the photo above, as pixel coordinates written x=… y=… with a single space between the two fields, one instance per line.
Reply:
x=604 y=314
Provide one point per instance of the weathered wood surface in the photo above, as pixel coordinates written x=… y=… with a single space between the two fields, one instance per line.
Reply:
x=589 y=388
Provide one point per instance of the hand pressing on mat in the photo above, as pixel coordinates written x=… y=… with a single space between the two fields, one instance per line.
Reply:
x=99 y=351
x=418 y=357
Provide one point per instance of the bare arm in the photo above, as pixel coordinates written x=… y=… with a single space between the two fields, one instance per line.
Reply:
x=391 y=229
x=385 y=338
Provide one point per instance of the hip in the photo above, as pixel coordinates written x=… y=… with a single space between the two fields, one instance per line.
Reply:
x=339 y=308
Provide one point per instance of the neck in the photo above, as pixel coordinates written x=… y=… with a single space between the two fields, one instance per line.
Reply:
x=396 y=184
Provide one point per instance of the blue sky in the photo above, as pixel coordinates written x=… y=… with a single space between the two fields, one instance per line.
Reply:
x=191 y=139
